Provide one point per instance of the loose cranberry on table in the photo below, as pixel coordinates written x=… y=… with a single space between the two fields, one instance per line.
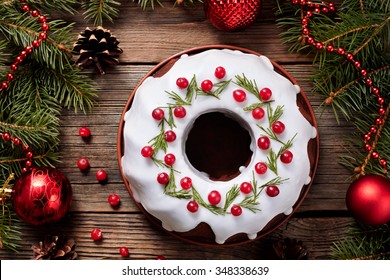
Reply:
x=114 y=200
x=84 y=132
x=159 y=258
x=83 y=163
x=101 y=175
x=124 y=251
x=96 y=234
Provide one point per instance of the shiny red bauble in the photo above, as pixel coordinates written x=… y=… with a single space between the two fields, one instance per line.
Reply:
x=368 y=199
x=41 y=196
x=228 y=15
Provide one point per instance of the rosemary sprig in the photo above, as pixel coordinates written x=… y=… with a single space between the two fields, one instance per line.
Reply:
x=249 y=85
x=231 y=195
x=273 y=116
x=171 y=186
x=273 y=157
x=256 y=105
x=158 y=142
x=220 y=87
x=272 y=162
x=177 y=99
x=192 y=89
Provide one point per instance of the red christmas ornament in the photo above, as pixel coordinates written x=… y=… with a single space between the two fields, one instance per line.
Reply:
x=42 y=195
x=368 y=198
x=229 y=15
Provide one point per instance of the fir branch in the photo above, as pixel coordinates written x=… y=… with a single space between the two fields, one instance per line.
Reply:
x=98 y=10
x=364 y=243
x=149 y=3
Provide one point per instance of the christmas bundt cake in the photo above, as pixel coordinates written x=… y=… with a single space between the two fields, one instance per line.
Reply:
x=217 y=145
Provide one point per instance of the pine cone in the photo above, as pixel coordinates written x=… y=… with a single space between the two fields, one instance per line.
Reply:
x=290 y=249
x=55 y=248
x=97 y=47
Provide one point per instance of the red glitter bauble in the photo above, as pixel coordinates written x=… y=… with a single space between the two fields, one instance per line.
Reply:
x=41 y=196
x=368 y=198
x=229 y=15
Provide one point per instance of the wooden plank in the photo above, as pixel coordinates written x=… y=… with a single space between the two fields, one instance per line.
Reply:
x=151 y=36
x=145 y=241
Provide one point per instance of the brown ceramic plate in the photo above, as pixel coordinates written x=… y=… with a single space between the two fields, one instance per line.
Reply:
x=202 y=235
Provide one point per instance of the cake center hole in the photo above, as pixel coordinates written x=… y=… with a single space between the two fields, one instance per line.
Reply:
x=218 y=145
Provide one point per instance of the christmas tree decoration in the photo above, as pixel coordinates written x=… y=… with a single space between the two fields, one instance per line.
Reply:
x=97 y=47
x=368 y=198
x=351 y=51
x=42 y=195
x=232 y=15
x=55 y=247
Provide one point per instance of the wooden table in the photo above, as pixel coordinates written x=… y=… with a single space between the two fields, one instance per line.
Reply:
x=148 y=37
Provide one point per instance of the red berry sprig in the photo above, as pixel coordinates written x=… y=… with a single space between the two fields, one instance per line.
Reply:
x=28 y=49
x=375 y=129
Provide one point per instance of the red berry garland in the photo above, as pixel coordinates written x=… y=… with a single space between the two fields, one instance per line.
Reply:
x=28 y=49
x=16 y=141
x=325 y=8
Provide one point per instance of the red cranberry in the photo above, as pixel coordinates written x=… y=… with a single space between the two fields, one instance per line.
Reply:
x=264 y=143
x=236 y=210
x=239 y=95
x=186 y=183
x=101 y=175
x=179 y=112
x=214 y=197
x=272 y=191
x=265 y=94
x=207 y=85
x=147 y=151
x=261 y=168
x=163 y=178
x=258 y=113
x=114 y=200
x=83 y=163
x=96 y=234
x=182 y=83
x=124 y=251
x=192 y=206
x=158 y=114
x=278 y=127
x=169 y=159
x=286 y=157
x=170 y=136
x=220 y=72
x=246 y=187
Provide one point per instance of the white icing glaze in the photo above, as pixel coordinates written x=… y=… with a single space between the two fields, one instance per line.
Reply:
x=140 y=128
